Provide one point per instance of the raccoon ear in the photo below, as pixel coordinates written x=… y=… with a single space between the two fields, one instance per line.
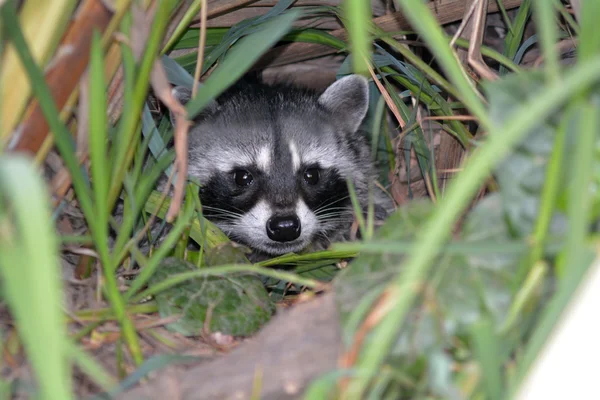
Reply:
x=183 y=95
x=348 y=99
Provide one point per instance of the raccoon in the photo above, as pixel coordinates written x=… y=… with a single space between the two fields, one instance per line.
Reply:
x=273 y=161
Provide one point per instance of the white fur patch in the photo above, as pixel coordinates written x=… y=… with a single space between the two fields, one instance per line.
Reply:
x=254 y=222
x=251 y=228
x=319 y=155
x=295 y=156
x=263 y=159
x=308 y=220
x=227 y=160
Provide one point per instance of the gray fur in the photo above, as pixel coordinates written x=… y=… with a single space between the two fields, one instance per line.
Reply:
x=279 y=134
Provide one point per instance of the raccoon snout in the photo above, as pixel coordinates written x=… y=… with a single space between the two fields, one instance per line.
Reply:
x=283 y=229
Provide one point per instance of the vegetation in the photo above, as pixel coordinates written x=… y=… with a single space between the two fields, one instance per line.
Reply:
x=454 y=296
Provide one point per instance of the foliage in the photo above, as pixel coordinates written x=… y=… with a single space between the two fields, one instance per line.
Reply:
x=450 y=298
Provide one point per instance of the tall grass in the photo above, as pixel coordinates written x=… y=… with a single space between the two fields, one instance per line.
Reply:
x=416 y=250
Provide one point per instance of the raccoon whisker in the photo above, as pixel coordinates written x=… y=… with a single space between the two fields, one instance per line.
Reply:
x=222 y=210
x=224 y=217
x=337 y=217
x=323 y=235
x=221 y=214
x=328 y=202
x=324 y=209
x=340 y=210
x=334 y=211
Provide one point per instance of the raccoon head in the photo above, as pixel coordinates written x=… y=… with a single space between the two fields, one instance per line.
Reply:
x=273 y=162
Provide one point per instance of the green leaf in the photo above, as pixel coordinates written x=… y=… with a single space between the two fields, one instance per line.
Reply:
x=522 y=174
x=513 y=39
x=237 y=304
x=316 y=36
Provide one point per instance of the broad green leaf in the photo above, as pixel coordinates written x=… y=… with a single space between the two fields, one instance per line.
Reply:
x=236 y=304
x=522 y=174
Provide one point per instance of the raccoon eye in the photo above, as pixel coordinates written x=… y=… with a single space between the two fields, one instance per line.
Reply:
x=311 y=176
x=242 y=177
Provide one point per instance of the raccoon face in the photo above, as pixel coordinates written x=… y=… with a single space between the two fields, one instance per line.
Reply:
x=273 y=162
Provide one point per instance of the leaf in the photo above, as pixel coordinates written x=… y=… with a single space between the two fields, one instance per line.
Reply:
x=522 y=174
x=239 y=304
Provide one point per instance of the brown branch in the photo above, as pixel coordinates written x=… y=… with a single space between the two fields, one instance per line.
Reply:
x=64 y=73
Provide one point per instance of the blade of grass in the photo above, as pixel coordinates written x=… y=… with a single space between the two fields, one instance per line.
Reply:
x=91 y=367
x=98 y=146
x=240 y=58
x=213 y=235
x=173 y=236
x=31 y=274
x=401 y=293
x=485 y=346
x=101 y=175
x=530 y=285
x=131 y=113
x=358 y=16
x=421 y=18
x=222 y=270
x=546 y=28
x=567 y=17
x=579 y=202
x=552 y=185
x=513 y=39
x=493 y=54
x=314 y=36
x=358 y=212
x=182 y=27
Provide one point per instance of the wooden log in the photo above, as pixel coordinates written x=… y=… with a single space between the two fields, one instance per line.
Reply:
x=297 y=346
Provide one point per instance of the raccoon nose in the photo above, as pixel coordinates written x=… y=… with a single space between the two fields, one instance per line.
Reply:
x=283 y=229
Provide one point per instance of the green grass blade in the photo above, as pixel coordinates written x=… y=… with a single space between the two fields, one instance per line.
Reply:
x=173 y=236
x=487 y=353
x=552 y=185
x=546 y=28
x=130 y=121
x=31 y=274
x=589 y=39
x=240 y=58
x=579 y=202
x=425 y=23
x=222 y=270
x=513 y=39
x=100 y=168
x=493 y=54
x=91 y=367
x=358 y=15
x=314 y=36
x=183 y=25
